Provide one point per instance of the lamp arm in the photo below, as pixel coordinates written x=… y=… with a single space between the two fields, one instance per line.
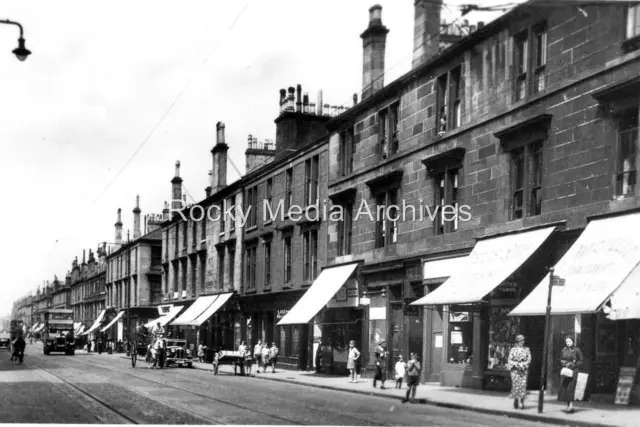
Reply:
x=9 y=22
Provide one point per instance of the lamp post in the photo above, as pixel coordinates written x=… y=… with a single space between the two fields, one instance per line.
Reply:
x=547 y=323
x=21 y=52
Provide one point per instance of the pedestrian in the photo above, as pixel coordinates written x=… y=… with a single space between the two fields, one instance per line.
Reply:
x=257 y=354
x=242 y=349
x=518 y=363
x=570 y=359
x=354 y=355
x=319 y=354
x=273 y=357
x=401 y=370
x=264 y=355
x=201 y=348
x=12 y=346
x=248 y=362
x=413 y=377
x=381 y=366
x=216 y=361
x=18 y=348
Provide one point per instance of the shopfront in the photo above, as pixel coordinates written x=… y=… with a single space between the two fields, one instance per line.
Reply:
x=598 y=304
x=189 y=324
x=325 y=319
x=468 y=301
x=260 y=316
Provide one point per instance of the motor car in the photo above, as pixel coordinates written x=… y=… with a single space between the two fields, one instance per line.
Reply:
x=5 y=341
x=177 y=353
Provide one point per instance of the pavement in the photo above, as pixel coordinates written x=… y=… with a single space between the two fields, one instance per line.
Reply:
x=483 y=401
x=105 y=389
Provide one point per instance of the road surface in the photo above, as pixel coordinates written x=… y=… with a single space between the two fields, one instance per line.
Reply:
x=92 y=389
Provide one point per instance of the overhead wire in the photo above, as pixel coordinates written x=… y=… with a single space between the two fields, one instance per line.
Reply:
x=171 y=106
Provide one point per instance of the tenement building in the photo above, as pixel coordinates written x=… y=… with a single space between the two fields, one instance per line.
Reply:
x=201 y=272
x=507 y=152
x=133 y=272
x=87 y=288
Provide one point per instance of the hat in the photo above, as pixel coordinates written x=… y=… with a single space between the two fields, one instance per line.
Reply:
x=519 y=337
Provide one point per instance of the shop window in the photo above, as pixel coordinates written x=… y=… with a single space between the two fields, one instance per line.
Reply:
x=502 y=334
x=460 y=337
x=377 y=323
x=295 y=341
x=283 y=349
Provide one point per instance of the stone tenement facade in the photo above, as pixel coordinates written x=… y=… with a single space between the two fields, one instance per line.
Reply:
x=530 y=121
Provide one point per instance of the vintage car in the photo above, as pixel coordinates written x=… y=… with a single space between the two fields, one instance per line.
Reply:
x=177 y=353
x=5 y=341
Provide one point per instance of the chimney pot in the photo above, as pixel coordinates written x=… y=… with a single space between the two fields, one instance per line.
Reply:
x=312 y=108
x=178 y=169
x=220 y=133
x=299 y=99
x=355 y=98
x=327 y=109
x=319 y=112
x=375 y=14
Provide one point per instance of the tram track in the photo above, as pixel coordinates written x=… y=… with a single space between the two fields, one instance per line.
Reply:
x=85 y=393
x=167 y=373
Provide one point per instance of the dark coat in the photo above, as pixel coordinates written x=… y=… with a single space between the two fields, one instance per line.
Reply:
x=570 y=358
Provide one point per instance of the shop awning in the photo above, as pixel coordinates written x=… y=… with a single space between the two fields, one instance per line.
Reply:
x=625 y=301
x=593 y=268
x=39 y=328
x=80 y=330
x=318 y=295
x=115 y=319
x=443 y=268
x=35 y=327
x=166 y=318
x=212 y=309
x=96 y=324
x=195 y=311
x=490 y=263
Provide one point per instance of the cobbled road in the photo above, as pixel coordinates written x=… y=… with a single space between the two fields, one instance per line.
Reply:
x=97 y=389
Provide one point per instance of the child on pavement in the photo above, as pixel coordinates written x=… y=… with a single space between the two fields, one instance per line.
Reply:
x=413 y=377
x=401 y=370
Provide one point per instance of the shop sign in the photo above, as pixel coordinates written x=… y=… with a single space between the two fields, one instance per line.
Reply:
x=164 y=309
x=625 y=383
x=281 y=313
x=347 y=295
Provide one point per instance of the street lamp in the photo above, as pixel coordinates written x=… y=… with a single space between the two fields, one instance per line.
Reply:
x=21 y=52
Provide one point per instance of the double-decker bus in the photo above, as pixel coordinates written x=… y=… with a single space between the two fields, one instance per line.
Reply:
x=57 y=334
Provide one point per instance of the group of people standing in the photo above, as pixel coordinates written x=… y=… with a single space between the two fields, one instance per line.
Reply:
x=411 y=370
x=263 y=355
x=571 y=359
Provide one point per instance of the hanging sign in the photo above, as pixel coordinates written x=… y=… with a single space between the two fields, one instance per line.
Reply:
x=164 y=309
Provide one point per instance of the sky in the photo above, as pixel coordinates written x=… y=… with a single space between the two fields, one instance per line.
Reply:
x=115 y=92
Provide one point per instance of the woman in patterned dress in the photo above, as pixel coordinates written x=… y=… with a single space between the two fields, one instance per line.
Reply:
x=519 y=361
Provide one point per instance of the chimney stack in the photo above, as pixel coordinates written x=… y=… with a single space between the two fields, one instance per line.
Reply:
x=258 y=154
x=136 y=219
x=374 y=40
x=207 y=190
x=118 y=225
x=299 y=99
x=319 y=102
x=219 y=153
x=176 y=191
x=426 y=29
x=165 y=211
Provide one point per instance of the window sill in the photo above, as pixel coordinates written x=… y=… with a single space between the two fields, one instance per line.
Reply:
x=250 y=292
x=252 y=228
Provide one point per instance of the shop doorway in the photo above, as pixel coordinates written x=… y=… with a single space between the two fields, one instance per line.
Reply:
x=532 y=327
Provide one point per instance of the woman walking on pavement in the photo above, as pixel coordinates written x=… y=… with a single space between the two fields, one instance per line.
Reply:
x=570 y=360
x=413 y=377
x=381 y=366
x=519 y=361
x=257 y=354
x=354 y=355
